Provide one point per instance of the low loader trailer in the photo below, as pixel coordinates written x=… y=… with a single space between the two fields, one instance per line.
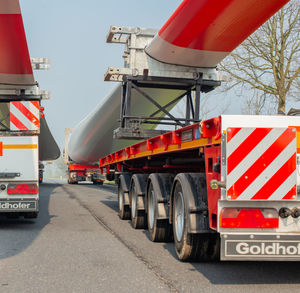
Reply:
x=221 y=188
x=79 y=173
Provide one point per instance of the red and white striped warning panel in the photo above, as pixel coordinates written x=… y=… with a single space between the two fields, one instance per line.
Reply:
x=261 y=163
x=24 y=115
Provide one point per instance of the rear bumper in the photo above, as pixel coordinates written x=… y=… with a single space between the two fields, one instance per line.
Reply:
x=19 y=205
x=260 y=247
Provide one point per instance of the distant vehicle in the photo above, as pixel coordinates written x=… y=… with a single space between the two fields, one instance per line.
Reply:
x=80 y=172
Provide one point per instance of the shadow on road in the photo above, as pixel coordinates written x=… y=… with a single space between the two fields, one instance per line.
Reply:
x=237 y=273
x=250 y=272
x=17 y=234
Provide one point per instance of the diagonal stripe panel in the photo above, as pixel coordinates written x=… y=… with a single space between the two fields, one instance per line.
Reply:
x=233 y=133
x=36 y=104
x=26 y=113
x=291 y=193
x=16 y=124
x=268 y=172
x=235 y=138
x=261 y=157
x=265 y=171
x=278 y=179
x=249 y=142
x=20 y=117
x=288 y=184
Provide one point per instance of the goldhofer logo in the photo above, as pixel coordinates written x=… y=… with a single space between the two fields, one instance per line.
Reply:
x=16 y=206
x=277 y=248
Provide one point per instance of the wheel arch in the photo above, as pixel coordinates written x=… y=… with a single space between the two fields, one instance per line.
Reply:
x=197 y=210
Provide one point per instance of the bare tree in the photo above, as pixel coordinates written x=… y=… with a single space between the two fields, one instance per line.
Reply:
x=268 y=62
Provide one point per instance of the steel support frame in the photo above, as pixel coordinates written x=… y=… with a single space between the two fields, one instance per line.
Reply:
x=192 y=114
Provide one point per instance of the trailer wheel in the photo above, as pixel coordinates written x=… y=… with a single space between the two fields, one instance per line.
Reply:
x=188 y=246
x=124 y=210
x=137 y=193
x=160 y=230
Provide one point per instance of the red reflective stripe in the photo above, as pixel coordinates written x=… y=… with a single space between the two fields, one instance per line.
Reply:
x=14 y=55
x=1 y=148
x=291 y=193
x=217 y=25
x=232 y=133
x=277 y=179
x=27 y=113
x=17 y=122
x=260 y=165
x=36 y=104
x=246 y=147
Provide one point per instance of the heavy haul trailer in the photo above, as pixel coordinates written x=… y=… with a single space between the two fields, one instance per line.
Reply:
x=221 y=187
x=79 y=173
x=226 y=186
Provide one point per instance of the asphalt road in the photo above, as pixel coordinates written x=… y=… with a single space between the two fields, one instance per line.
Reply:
x=78 y=244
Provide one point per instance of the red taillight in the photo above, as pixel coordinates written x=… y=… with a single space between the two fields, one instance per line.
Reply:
x=249 y=218
x=22 y=189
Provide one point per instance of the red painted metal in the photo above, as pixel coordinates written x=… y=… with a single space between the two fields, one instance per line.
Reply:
x=170 y=142
x=212 y=156
x=76 y=167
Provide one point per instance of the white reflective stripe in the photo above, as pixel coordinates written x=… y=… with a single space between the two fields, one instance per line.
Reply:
x=20 y=116
x=233 y=144
x=284 y=188
x=272 y=169
x=254 y=155
x=31 y=108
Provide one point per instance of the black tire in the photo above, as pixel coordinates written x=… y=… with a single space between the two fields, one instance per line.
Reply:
x=100 y=182
x=31 y=215
x=124 y=210
x=138 y=216
x=188 y=246
x=159 y=230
